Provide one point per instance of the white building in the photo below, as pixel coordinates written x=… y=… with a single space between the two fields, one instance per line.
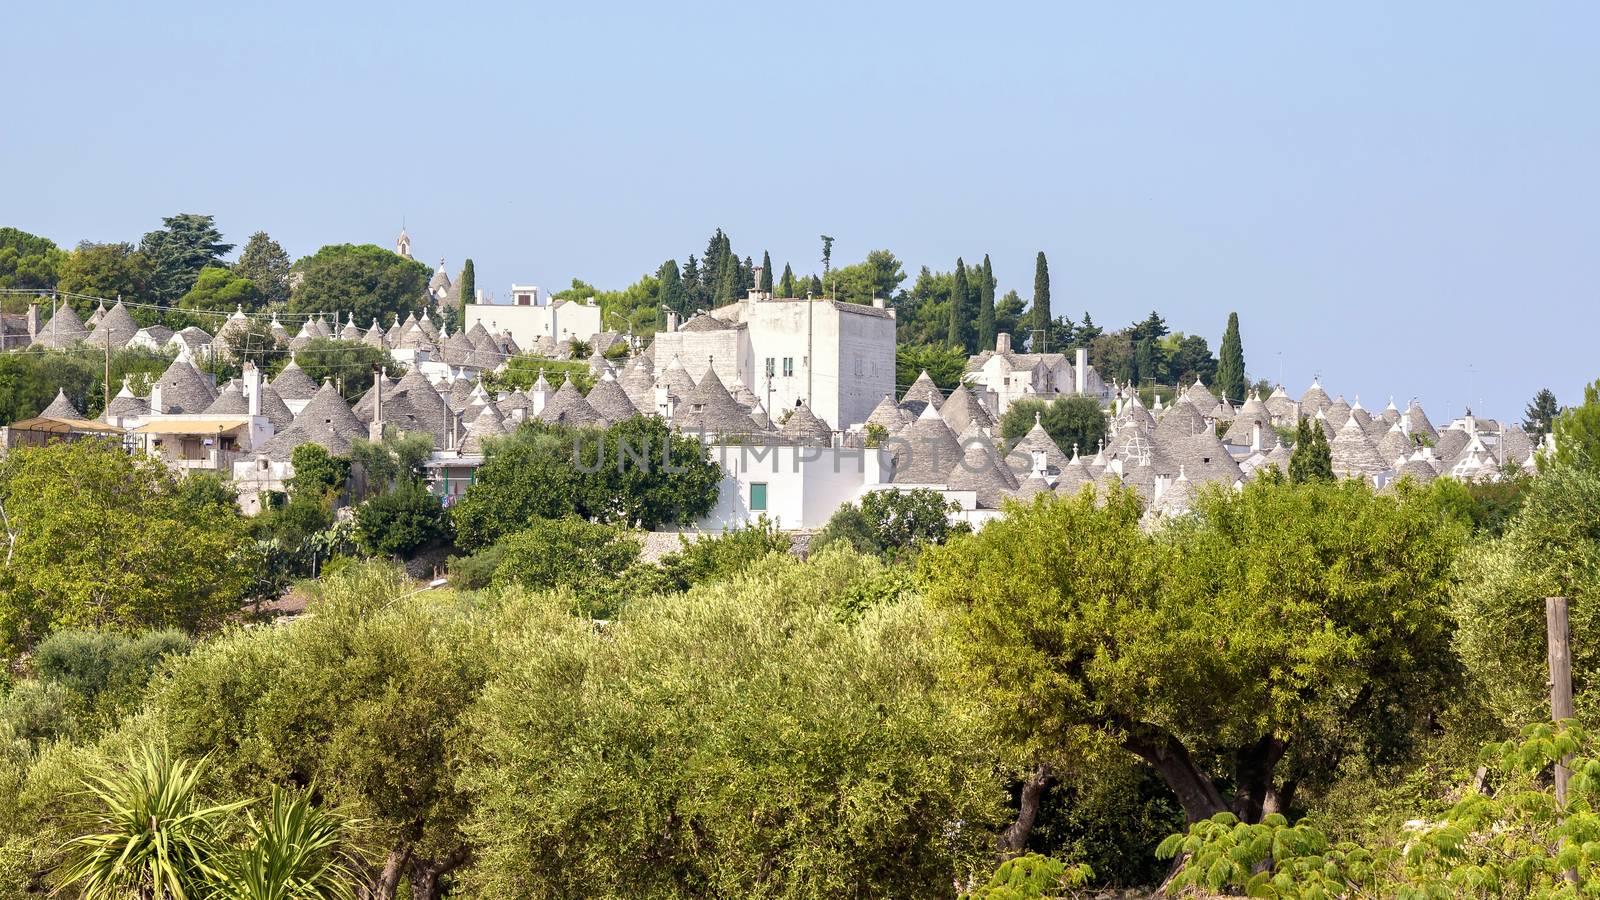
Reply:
x=531 y=316
x=836 y=357
x=795 y=487
x=1002 y=376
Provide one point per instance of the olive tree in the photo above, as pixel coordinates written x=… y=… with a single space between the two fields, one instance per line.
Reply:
x=1240 y=652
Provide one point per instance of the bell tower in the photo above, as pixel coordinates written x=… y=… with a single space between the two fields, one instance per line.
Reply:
x=402 y=244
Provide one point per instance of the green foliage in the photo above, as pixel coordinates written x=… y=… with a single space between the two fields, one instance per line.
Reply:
x=34 y=713
x=1577 y=432
x=722 y=556
x=401 y=521
x=361 y=698
x=155 y=836
x=985 y=327
x=366 y=280
x=107 y=270
x=318 y=474
x=1230 y=368
x=99 y=537
x=1041 y=299
x=891 y=523
x=289 y=539
x=351 y=365
x=296 y=850
x=1033 y=877
x=636 y=473
x=467 y=287
x=1521 y=841
x=568 y=553
x=106 y=670
x=1309 y=614
x=1540 y=417
x=399 y=457
x=1311 y=459
x=879 y=275
x=943 y=364
x=1070 y=422
x=220 y=289
x=523 y=370
x=960 y=334
x=29 y=379
x=28 y=260
x=1551 y=547
x=265 y=263
x=770 y=749
x=187 y=244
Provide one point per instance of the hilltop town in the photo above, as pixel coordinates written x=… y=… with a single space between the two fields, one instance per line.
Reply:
x=740 y=583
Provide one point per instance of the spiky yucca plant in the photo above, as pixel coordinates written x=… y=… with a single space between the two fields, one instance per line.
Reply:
x=297 y=852
x=152 y=838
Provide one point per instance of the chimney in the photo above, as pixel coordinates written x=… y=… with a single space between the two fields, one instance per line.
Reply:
x=156 y=406
x=672 y=321
x=33 y=321
x=1038 y=463
x=1081 y=371
x=375 y=430
x=251 y=378
x=1255 y=436
x=877 y=301
x=1002 y=343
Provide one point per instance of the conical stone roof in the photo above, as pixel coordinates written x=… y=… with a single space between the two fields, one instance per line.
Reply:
x=888 y=415
x=568 y=407
x=803 y=427
x=962 y=408
x=1020 y=457
x=980 y=470
x=116 y=327
x=61 y=408
x=294 y=384
x=923 y=392
x=926 y=450
x=230 y=402
x=1353 y=455
x=63 y=330
x=184 y=390
x=488 y=424
x=610 y=400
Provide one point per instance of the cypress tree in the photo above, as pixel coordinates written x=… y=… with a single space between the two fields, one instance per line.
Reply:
x=671 y=293
x=766 y=273
x=1041 y=302
x=1230 y=365
x=468 y=284
x=816 y=286
x=960 y=323
x=985 y=306
x=786 y=284
x=1311 y=459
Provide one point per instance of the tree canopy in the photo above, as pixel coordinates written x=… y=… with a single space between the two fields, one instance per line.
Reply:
x=364 y=280
x=100 y=537
x=1254 y=634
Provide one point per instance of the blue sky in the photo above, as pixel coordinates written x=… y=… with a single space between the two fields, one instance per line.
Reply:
x=1400 y=196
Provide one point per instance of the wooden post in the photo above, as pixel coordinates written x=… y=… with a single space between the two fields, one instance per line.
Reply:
x=1556 y=633
x=1557 y=637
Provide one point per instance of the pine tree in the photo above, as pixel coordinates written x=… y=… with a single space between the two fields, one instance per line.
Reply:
x=264 y=261
x=786 y=284
x=747 y=276
x=985 y=306
x=671 y=293
x=1230 y=366
x=1311 y=459
x=1541 y=414
x=1041 y=301
x=694 y=290
x=766 y=273
x=960 y=322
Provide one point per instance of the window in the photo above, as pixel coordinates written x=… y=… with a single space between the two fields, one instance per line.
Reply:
x=788 y=366
x=758 y=497
x=772 y=366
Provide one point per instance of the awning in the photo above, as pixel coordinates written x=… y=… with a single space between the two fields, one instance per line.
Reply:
x=192 y=425
x=63 y=425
